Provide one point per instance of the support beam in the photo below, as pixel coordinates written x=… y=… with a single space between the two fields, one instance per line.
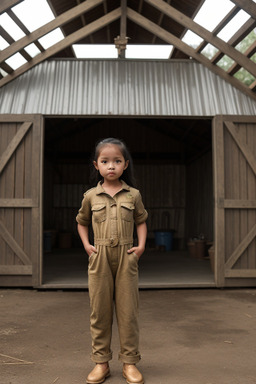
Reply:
x=247 y=5
x=205 y=34
x=236 y=38
x=123 y=28
x=171 y=39
x=220 y=26
x=60 y=20
x=7 y=4
x=249 y=53
x=69 y=40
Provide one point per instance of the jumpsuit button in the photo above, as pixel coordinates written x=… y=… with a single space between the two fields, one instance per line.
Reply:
x=113 y=242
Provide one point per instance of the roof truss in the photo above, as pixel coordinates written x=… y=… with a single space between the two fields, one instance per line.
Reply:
x=157 y=20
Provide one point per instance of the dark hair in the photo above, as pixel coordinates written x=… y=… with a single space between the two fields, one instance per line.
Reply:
x=128 y=174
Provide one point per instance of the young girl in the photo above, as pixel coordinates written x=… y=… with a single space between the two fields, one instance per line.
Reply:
x=113 y=207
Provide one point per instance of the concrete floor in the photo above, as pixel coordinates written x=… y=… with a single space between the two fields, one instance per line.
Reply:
x=203 y=336
x=67 y=268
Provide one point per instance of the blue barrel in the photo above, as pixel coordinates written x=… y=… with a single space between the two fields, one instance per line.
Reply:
x=164 y=238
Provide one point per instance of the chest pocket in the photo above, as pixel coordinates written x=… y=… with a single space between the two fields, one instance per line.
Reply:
x=99 y=212
x=127 y=210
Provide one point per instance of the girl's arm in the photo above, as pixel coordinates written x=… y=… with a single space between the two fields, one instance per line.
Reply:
x=142 y=236
x=84 y=235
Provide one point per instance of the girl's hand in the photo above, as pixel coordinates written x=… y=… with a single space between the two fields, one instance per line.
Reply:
x=90 y=249
x=137 y=250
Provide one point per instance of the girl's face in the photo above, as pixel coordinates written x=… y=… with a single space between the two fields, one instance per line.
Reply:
x=111 y=162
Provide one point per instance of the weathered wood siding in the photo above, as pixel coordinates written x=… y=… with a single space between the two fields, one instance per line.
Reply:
x=20 y=223
x=235 y=200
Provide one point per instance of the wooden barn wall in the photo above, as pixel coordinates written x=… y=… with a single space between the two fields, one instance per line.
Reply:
x=199 y=198
x=162 y=188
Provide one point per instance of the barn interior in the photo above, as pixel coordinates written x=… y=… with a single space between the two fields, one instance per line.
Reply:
x=173 y=168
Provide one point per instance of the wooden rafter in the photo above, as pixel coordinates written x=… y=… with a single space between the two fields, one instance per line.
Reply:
x=60 y=20
x=249 y=53
x=205 y=34
x=247 y=5
x=236 y=38
x=7 y=4
x=172 y=30
x=171 y=39
x=69 y=40
x=219 y=27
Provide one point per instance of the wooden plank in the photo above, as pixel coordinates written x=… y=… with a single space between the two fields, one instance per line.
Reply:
x=235 y=203
x=251 y=140
x=13 y=145
x=173 y=40
x=18 y=220
x=247 y=5
x=17 y=203
x=69 y=40
x=241 y=273
x=243 y=190
x=248 y=154
x=9 y=192
x=241 y=248
x=219 y=221
x=187 y=22
x=57 y=22
x=13 y=244
x=7 y=4
x=249 y=53
x=3 y=144
x=36 y=192
x=15 y=269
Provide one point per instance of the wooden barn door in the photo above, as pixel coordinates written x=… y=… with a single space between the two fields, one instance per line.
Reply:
x=20 y=199
x=234 y=148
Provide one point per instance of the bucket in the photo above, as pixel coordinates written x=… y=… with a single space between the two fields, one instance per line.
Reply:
x=164 y=238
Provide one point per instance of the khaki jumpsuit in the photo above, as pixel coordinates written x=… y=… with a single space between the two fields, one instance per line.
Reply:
x=112 y=272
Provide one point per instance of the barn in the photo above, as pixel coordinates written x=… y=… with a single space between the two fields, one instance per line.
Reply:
x=190 y=126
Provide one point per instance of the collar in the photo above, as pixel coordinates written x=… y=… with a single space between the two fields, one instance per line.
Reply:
x=100 y=189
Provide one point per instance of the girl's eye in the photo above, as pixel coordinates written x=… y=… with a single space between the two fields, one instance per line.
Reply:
x=104 y=161
x=118 y=161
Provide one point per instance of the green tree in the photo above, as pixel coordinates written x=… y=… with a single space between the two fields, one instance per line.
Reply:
x=226 y=62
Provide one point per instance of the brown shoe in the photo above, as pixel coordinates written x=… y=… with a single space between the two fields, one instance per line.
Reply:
x=98 y=374
x=132 y=374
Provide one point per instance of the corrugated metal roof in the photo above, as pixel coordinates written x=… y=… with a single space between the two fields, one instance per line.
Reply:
x=123 y=87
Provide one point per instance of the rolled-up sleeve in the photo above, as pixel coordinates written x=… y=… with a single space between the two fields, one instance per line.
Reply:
x=84 y=216
x=140 y=213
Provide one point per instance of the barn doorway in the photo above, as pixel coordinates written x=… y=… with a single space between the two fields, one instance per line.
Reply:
x=173 y=165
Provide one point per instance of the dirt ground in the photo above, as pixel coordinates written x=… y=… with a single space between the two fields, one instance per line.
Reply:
x=187 y=337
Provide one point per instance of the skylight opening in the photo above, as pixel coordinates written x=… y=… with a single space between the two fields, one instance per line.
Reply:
x=148 y=51
x=11 y=27
x=3 y=43
x=246 y=42
x=244 y=76
x=209 y=51
x=95 y=51
x=51 y=38
x=33 y=14
x=16 y=61
x=109 y=51
x=212 y=12
x=32 y=50
x=192 y=39
x=225 y=62
x=234 y=25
